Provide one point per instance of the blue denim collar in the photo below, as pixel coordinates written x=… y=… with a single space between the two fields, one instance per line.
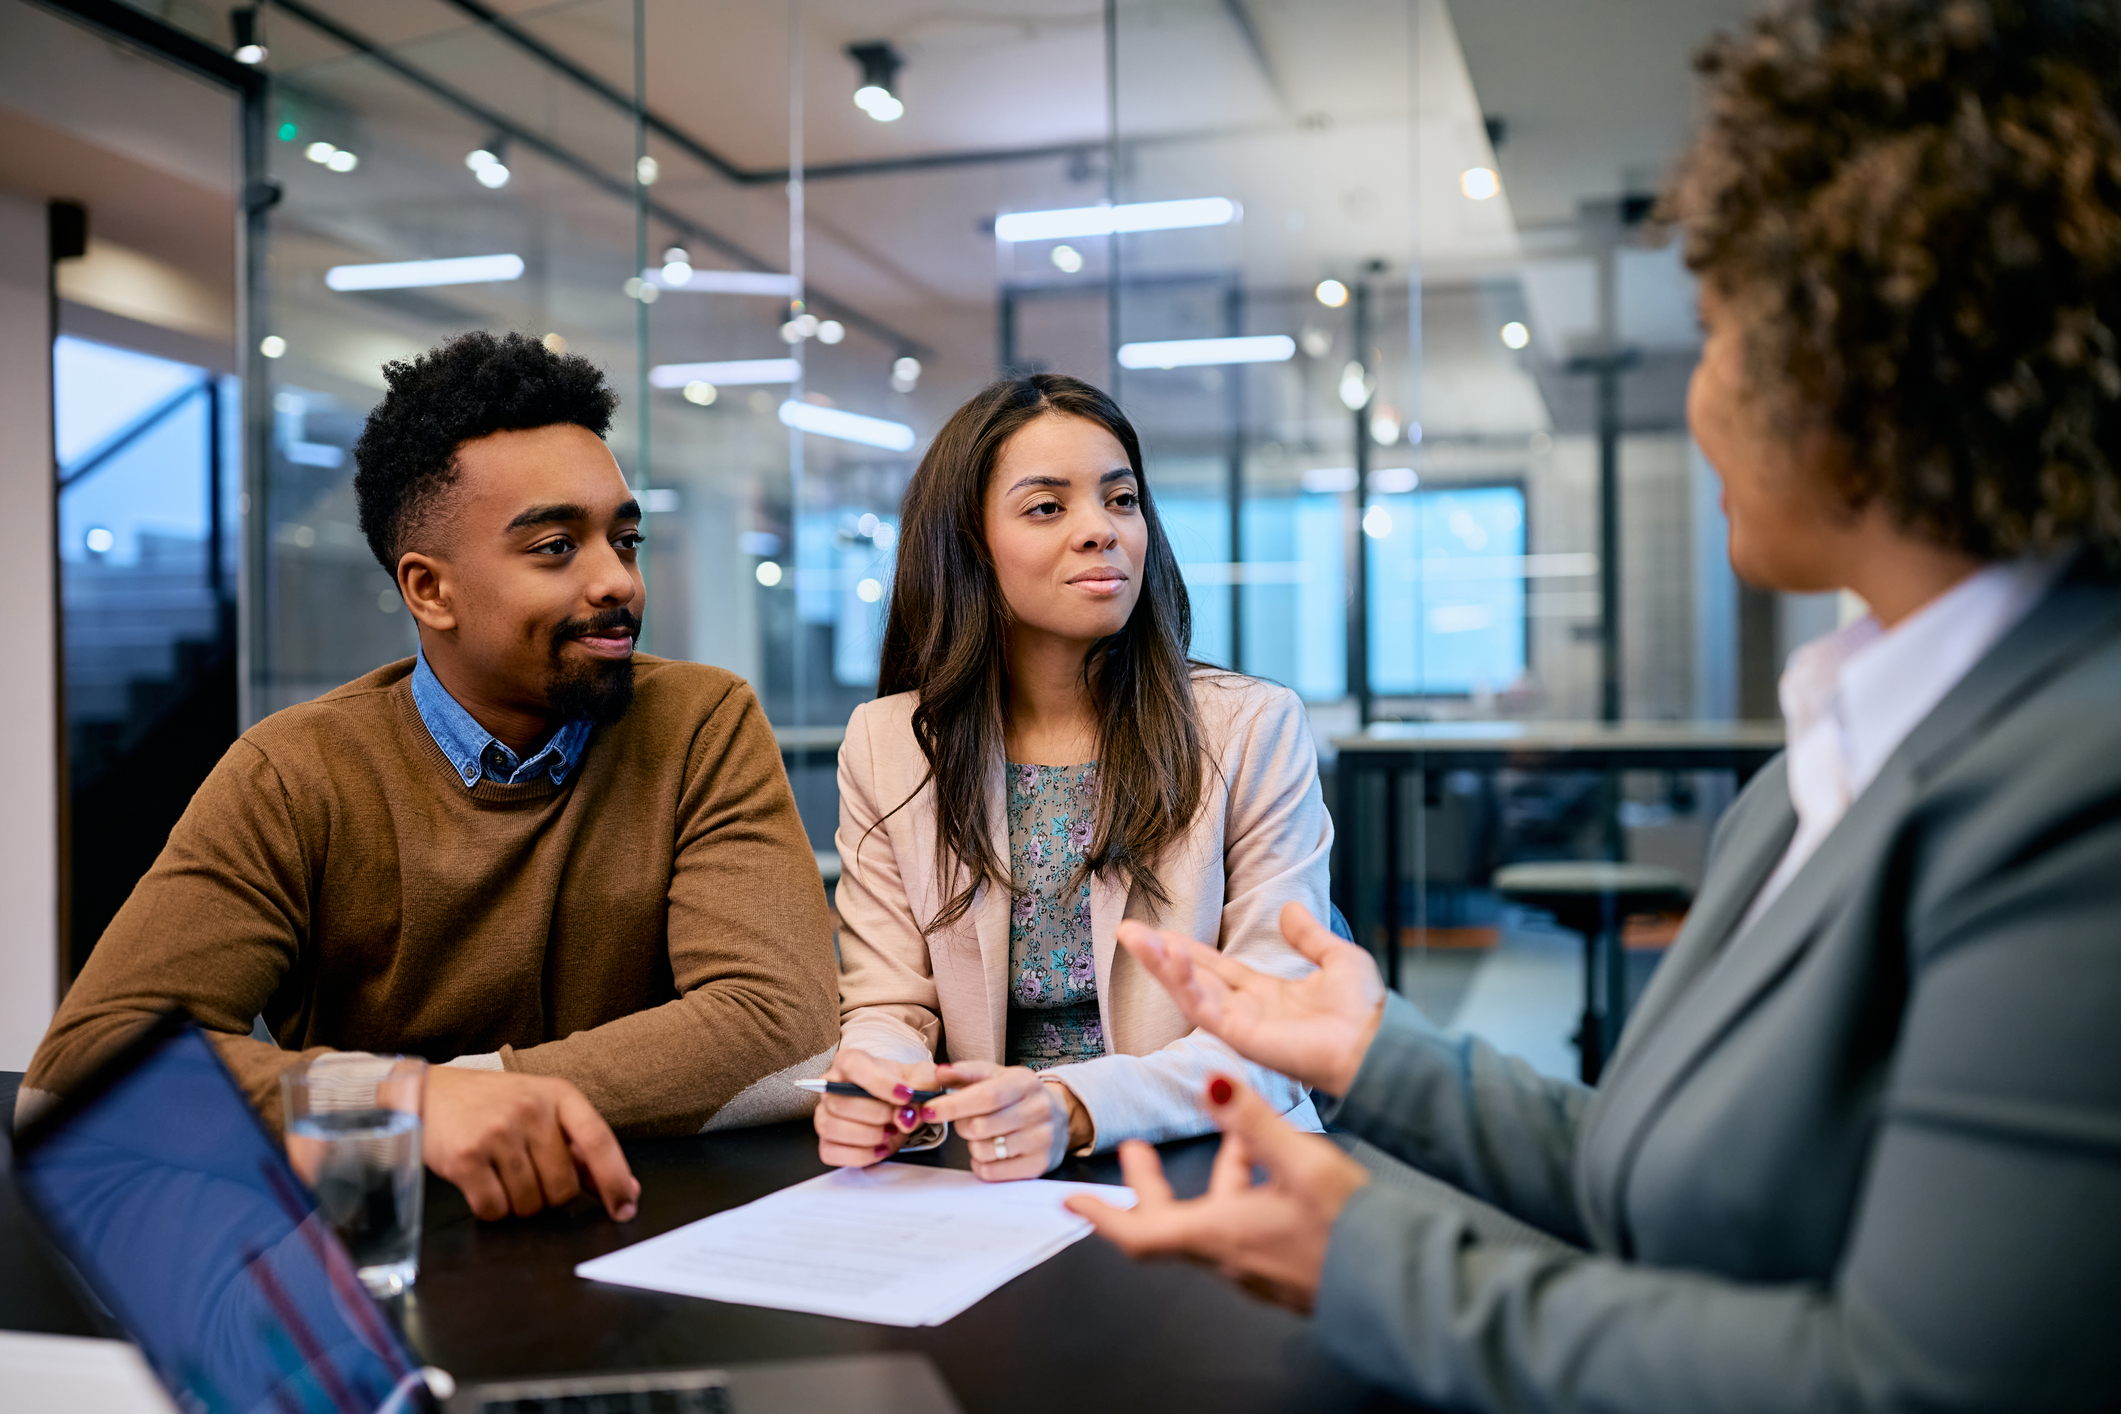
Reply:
x=474 y=751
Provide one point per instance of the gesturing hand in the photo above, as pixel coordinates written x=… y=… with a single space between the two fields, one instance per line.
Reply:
x=518 y=1143
x=1270 y=1238
x=853 y=1132
x=1316 y=1028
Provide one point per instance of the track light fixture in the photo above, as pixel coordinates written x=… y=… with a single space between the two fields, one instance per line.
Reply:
x=249 y=40
x=489 y=162
x=878 y=94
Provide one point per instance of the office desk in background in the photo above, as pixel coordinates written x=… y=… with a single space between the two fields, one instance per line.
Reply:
x=1086 y=1331
x=1367 y=870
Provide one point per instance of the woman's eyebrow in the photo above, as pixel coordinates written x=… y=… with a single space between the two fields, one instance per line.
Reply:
x=1036 y=479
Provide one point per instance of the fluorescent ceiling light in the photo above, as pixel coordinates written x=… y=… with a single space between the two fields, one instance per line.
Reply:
x=1106 y=220
x=726 y=282
x=733 y=374
x=847 y=426
x=1188 y=353
x=407 y=274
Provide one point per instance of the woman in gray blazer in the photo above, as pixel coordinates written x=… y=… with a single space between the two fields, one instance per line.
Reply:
x=1860 y=1146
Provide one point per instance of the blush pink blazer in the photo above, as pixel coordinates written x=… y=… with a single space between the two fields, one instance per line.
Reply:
x=1260 y=840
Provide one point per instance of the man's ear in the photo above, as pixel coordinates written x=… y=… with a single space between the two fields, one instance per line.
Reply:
x=422 y=580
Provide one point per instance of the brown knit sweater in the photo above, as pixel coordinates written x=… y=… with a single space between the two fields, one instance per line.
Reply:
x=654 y=930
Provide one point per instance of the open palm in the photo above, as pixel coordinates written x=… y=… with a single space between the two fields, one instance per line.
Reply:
x=1315 y=1028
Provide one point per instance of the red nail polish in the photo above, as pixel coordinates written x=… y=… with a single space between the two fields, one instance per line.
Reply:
x=906 y=1117
x=900 y=1092
x=1219 y=1091
x=928 y=1113
x=882 y=1149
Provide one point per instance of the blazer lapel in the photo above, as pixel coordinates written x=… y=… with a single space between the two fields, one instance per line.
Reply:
x=1108 y=905
x=1761 y=836
x=990 y=916
x=2082 y=611
x=1693 y=1015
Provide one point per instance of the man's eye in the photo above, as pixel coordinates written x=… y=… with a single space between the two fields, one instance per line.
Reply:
x=631 y=540
x=553 y=547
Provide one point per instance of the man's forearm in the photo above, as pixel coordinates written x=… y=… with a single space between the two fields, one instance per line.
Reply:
x=668 y=1069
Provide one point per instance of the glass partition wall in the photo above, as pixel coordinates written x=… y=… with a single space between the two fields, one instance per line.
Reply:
x=1420 y=449
x=391 y=233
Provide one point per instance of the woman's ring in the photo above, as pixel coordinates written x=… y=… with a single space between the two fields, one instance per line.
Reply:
x=1001 y=1147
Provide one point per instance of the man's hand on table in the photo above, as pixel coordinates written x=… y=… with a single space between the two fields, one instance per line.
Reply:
x=1316 y=1028
x=518 y=1143
x=1270 y=1238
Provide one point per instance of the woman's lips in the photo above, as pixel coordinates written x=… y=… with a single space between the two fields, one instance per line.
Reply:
x=1101 y=581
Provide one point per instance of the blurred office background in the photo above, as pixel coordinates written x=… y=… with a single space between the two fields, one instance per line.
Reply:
x=1374 y=278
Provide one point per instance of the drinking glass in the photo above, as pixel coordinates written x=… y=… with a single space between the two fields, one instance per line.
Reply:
x=353 y=1134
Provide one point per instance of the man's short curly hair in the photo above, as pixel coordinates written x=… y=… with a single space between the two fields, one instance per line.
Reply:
x=1916 y=209
x=474 y=384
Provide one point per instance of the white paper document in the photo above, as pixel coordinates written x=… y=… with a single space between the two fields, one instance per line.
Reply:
x=897 y=1244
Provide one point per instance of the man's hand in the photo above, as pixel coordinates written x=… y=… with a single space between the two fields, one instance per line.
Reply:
x=1316 y=1028
x=517 y=1143
x=1269 y=1238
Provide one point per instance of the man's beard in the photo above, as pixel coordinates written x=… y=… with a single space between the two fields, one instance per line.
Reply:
x=599 y=690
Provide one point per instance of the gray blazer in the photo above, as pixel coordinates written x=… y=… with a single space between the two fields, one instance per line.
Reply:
x=1866 y=1155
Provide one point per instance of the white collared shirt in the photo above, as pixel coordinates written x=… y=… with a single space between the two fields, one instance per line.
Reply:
x=1849 y=699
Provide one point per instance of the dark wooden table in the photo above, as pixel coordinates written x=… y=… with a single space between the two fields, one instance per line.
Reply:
x=1086 y=1331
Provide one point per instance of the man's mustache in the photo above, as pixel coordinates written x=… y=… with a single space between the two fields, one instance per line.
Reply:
x=598 y=626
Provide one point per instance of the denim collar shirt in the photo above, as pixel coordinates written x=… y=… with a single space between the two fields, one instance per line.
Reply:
x=474 y=751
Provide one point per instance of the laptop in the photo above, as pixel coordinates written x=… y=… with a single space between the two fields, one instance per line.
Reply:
x=181 y=1220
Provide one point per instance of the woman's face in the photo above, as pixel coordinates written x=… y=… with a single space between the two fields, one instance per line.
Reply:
x=1788 y=523
x=1064 y=525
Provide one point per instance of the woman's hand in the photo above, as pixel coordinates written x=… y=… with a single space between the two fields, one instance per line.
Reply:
x=1016 y=1125
x=1270 y=1238
x=1316 y=1028
x=855 y=1133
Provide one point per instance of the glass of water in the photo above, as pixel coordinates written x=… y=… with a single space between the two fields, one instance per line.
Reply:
x=353 y=1134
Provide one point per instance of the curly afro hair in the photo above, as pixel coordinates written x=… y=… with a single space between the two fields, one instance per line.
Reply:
x=472 y=385
x=1916 y=209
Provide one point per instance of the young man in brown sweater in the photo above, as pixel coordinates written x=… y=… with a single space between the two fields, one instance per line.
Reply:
x=574 y=874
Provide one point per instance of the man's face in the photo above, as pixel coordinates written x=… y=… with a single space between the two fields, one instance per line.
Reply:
x=536 y=590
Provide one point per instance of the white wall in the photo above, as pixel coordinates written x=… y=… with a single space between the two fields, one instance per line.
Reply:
x=29 y=835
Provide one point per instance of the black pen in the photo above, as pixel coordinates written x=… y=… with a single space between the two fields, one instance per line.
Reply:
x=856 y=1092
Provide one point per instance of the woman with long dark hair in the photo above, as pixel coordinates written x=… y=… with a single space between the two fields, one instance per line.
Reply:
x=1042 y=761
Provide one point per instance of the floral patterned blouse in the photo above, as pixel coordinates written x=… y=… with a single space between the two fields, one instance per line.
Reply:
x=1053 y=1016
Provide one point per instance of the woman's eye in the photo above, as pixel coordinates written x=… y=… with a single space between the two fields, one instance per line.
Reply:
x=1126 y=500
x=1046 y=509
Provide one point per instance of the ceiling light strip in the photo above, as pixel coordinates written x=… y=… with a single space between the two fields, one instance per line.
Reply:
x=726 y=282
x=412 y=274
x=734 y=373
x=1194 y=353
x=847 y=426
x=1111 y=220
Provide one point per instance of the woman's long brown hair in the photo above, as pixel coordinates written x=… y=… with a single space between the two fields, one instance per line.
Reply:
x=947 y=640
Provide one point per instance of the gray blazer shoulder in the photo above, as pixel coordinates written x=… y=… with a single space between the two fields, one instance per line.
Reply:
x=1864 y=1154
